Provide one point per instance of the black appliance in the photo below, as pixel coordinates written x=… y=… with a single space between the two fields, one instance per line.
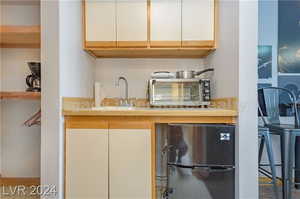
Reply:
x=201 y=161
x=33 y=80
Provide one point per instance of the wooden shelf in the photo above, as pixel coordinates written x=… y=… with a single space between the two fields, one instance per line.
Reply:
x=20 y=95
x=20 y=36
x=150 y=52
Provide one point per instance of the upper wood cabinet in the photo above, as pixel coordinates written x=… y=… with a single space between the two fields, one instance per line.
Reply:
x=165 y=23
x=198 y=23
x=132 y=23
x=150 y=28
x=100 y=23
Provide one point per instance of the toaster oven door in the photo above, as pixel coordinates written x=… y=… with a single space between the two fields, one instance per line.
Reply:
x=170 y=92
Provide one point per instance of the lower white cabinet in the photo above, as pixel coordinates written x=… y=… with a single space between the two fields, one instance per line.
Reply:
x=108 y=164
x=130 y=163
x=86 y=174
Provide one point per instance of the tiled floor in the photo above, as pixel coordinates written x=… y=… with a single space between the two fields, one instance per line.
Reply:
x=266 y=192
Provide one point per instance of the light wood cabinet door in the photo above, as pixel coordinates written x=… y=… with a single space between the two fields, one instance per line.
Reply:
x=86 y=164
x=198 y=22
x=165 y=23
x=132 y=23
x=130 y=163
x=100 y=23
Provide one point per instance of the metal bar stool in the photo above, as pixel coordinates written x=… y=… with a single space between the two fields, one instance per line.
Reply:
x=265 y=136
x=273 y=100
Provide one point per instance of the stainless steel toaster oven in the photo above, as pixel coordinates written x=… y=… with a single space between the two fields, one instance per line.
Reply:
x=179 y=92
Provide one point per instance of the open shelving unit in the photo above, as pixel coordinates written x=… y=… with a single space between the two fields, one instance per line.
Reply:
x=20 y=43
x=20 y=36
x=20 y=95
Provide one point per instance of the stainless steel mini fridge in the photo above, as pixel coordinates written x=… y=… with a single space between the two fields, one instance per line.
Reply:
x=200 y=161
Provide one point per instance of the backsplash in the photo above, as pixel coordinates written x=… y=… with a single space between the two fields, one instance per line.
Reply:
x=137 y=72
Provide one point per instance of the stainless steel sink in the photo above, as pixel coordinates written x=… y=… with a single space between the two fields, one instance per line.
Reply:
x=128 y=108
x=114 y=108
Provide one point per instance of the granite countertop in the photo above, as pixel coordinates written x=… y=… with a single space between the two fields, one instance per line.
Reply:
x=85 y=107
x=137 y=111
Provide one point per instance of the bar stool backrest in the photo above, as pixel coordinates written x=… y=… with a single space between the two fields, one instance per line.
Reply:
x=269 y=102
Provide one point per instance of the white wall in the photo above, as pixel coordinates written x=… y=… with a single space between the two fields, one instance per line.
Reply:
x=26 y=13
x=247 y=140
x=20 y=145
x=236 y=76
x=69 y=72
x=137 y=72
x=76 y=66
x=51 y=117
x=225 y=58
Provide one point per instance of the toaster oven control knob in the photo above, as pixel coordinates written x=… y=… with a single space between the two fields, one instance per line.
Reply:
x=206 y=90
x=206 y=84
x=207 y=98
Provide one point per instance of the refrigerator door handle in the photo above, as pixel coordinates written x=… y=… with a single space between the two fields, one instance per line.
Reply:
x=181 y=166
x=213 y=169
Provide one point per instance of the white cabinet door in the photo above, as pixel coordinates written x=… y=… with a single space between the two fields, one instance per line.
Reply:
x=132 y=23
x=197 y=21
x=165 y=23
x=86 y=174
x=130 y=163
x=100 y=22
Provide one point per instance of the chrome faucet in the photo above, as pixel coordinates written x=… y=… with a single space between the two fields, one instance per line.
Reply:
x=124 y=102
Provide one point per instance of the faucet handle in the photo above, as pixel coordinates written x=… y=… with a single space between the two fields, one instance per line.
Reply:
x=132 y=101
x=124 y=102
x=121 y=102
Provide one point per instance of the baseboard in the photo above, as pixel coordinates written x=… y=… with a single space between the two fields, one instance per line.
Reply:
x=19 y=181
